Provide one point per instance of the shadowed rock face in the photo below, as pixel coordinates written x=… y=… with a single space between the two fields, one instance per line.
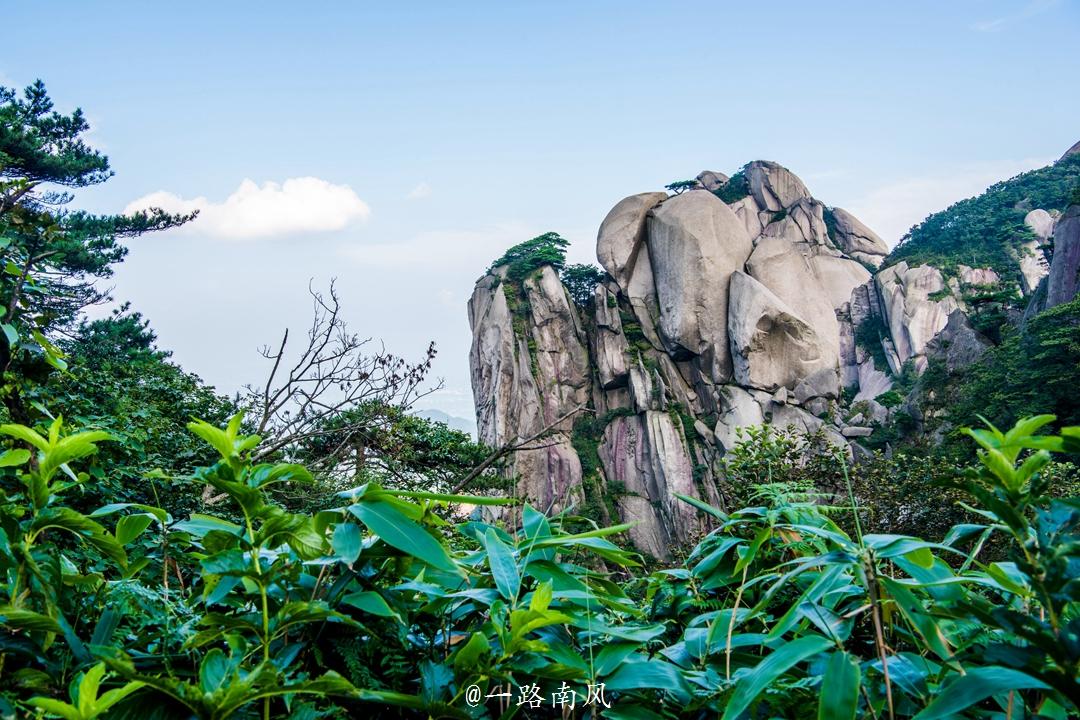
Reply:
x=1064 y=277
x=714 y=316
x=695 y=243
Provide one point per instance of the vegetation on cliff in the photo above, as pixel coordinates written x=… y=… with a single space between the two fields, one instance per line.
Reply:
x=988 y=230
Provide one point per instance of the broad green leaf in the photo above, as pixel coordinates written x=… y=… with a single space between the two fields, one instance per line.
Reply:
x=504 y=568
x=917 y=615
x=13 y=458
x=839 y=688
x=88 y=689
x=659 y=674
x=467 y=658
x=978 y=684
x=199 y=525
x=347 y=542
x=130 y=527
x=10 y=333
x=56 y=707
x=451 y=498
x=27 y=435
x=26 y=620
x=370 y=602
x=768 y=670
x=397 y=530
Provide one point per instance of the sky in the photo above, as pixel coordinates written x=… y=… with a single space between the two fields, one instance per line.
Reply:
x=401 y=147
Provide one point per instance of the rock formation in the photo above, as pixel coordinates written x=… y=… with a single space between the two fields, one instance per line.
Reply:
x=714 y=315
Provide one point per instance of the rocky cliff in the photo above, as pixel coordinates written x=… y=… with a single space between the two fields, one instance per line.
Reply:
x=739 y=302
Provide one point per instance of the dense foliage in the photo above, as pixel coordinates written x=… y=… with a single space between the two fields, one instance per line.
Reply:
x=523 y=258
x=1034 y=370
x=580 y=281
x=987 y=230
x=735 y=189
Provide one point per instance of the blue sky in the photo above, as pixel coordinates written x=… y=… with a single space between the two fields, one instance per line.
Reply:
x=435 y=135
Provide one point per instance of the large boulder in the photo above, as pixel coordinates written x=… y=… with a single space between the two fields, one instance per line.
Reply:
x=622 y=235
x=711 y=180
x=1064 y=277
x=738 y=409
x=958 y=344
x=749 y=213
x=1041 y=223
x=838 y=277
x=695 y=243
x=917 y=306
x=856 y=239
x=609 y=343
x=804 y=222
x=772 y=346
x=1033 y=266
x=773 y=186
x=786 y=270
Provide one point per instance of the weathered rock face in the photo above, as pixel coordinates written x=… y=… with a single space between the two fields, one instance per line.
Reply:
x=695 y=243
x=713 y=317
x=1064 y=277
x=857 y=240
x=958 y=344
x=773 y=186
x=771 y=346
x=917 y=305
x=622 y=235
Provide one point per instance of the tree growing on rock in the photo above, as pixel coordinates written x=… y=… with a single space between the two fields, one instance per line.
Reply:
x=580 y=281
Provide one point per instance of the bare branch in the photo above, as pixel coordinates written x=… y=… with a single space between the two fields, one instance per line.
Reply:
x=511 y=447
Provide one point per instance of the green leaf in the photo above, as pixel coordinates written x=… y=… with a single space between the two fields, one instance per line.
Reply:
x=397 y=530
x=88 y=689
x=68 y=712
x=13 y=458
x=658 y=674
x=84 y=528
x=27 y=435
x=213 y=436
x=370 y=602
x=977 y=685
x=26 y=620
x=839 y=688
x=347 y=541
x=470 y=653
x=503 y=566
x=129 y=527
x=10 y=333
x=768 y=670
x=704 y=507
x=199 y=525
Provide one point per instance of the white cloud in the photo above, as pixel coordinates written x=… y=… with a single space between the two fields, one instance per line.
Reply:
x=891 y=210
x=420 y=192
x=298 y=205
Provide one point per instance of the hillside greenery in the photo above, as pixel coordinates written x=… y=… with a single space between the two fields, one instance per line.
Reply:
x=988 y=230
x=251 y=564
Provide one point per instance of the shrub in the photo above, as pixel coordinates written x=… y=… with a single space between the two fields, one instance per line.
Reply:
x=580 y=281
x=524 y=258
